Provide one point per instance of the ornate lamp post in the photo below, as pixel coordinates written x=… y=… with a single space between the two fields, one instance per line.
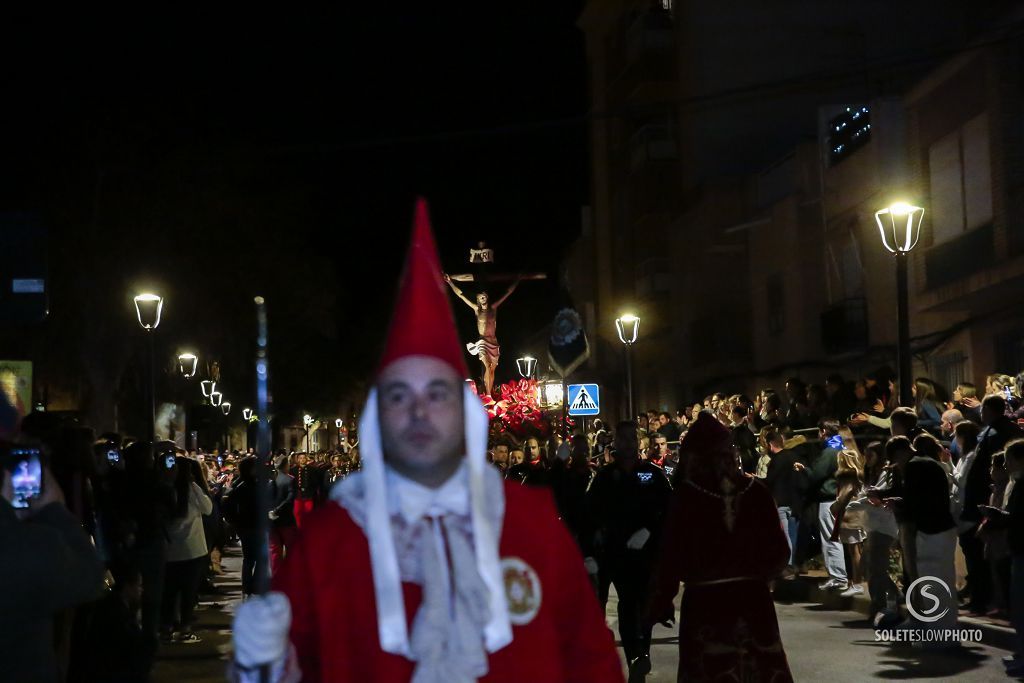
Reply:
x=188 y=363
x=900 y=228
x=526 y=365
x=148 y=308
x=628 y=327
x=216 y=398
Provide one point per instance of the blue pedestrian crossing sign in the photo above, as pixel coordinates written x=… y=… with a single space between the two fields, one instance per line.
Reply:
x=584 y=399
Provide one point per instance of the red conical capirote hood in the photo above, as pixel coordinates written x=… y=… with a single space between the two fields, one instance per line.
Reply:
x=422 y=323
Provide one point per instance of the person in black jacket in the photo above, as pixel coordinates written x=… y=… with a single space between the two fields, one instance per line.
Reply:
x=115 y=645
x=570 y=484
x=627 y=502
x=147 y=500
x=1012 y=519
x=48 y=565
x=787 y=486
x=532 y=471
x=743 y=439
x=820 y=477
x=241 y=508
x=920 y=498
x=282 y=514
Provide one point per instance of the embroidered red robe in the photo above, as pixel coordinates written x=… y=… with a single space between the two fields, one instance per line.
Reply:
x=559 y=633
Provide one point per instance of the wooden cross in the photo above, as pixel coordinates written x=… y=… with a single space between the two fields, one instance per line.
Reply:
x=486 y=349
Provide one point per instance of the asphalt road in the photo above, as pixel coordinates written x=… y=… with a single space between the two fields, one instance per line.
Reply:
x=836 y=647
x=822 y=646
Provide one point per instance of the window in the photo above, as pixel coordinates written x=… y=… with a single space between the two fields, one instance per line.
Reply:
x=776 y=304
x=960 y=172
x=847 y=133
x=950 y=370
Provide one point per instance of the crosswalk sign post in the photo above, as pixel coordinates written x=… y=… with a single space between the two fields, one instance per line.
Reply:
x=584 y=399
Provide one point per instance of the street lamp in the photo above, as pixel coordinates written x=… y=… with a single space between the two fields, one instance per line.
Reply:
x=208 y=387
x=225 y=407
x=900 y=228
x=628 y=327
x=307 y=422
x=188 y=362
x=526 y=365
x=147 y=309
x=339 y=423
x=246 y=414
x=215 y=398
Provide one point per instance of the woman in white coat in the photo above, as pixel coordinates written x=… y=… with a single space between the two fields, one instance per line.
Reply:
x=187 y=554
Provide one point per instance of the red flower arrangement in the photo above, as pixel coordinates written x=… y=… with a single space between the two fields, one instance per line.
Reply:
x=517 y=410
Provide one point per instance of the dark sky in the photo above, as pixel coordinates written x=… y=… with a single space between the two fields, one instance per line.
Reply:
x=216 y=156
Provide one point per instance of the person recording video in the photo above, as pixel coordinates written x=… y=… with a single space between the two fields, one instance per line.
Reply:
x=49 y=564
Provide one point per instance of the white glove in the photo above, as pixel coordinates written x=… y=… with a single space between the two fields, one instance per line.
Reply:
x=638 y=540
x=591 y=565
x=261 y=630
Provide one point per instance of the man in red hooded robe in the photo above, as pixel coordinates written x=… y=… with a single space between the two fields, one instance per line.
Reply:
x=723 y=540
x=426 y=566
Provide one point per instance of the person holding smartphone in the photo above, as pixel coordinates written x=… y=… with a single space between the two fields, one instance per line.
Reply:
x=49 y=564
x=1012 y=520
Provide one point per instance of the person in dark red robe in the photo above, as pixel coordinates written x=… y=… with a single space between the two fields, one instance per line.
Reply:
x=426 y=566
x=723 y=540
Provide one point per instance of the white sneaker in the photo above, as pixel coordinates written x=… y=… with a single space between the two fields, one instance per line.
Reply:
x=833 y=584
x=852 y=591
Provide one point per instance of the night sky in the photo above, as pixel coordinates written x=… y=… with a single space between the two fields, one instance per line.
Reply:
x=214 y=157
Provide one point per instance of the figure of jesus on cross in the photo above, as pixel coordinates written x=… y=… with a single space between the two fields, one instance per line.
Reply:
x=486 y=311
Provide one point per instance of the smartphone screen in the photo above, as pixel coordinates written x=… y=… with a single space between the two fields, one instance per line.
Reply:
x=113 y=456
x=835 y=442
x=169 y=462
x=27 y=477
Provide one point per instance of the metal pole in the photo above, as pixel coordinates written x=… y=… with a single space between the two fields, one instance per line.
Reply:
x=152 y=390
x=904 y=360
x=263 y=445
x=565 y=410
x=629 y=379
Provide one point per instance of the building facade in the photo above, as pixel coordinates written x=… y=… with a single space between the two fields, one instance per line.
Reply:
x=738 y=158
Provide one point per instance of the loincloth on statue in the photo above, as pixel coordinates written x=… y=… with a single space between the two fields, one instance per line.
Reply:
x=486 y=349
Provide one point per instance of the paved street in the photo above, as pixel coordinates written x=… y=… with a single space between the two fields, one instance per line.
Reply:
x=206 y=662
x=824 y=645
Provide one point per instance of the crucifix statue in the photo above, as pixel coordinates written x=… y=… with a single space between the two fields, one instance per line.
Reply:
x=486 y=348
